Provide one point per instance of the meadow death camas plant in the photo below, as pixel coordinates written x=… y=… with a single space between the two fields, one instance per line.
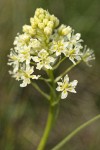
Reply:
x=44 y=45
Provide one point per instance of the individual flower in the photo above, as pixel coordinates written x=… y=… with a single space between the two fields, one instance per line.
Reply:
x=21 y=39
x=27 y=75
x=74 y=40
x=24 y=54
x=88 y=55
x=73 y=54
x=58 y=47
x=65 y=86
x=43 y=60
x=35 y=46
x=14 y=60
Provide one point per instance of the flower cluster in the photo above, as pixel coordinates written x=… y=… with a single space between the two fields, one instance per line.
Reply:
x=41 y=44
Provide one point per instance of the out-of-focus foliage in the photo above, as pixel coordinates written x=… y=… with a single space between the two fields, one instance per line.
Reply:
x=23 y=111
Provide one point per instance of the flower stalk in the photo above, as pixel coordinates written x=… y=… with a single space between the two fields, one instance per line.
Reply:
x=53 y=109
x=49 y=125
x=40 y=91
x=67 y=70
x=73 y=133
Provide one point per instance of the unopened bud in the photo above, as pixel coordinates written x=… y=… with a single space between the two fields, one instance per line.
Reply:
x=47 y=30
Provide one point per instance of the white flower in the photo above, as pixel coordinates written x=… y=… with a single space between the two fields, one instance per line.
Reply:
x=25 y=54
x=73 y=54
x=58 y=47
x=22 y=39
x=43 y=60
x=88 y=55
x=74 y=40
x=14 y=60
x=65 y=86
x=26 y=75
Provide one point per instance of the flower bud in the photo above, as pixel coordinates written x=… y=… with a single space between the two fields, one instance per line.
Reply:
x=56 y=22
x=50 y=24
x=41 y=16
x=66 y=30
x=47 y=30
x=39 y=11
x=45 y=21
x=33 y=23
x=41 y=25
x=29 y=30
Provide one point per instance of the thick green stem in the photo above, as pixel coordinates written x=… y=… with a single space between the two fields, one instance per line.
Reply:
x=73 y=133
x=49 y=124
x=52 y=113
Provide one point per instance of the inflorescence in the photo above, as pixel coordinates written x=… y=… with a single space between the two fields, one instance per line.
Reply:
x=41 y=45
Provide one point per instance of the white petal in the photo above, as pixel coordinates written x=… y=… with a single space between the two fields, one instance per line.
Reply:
x=24 y=84
x=64 y=94
x=52 y=59
x=77 y=36
x=39 y=66
x=35 y=58
x=35 y=77
x=58 y=53
x=66 y=78
x=58 y=88
x=74 y=83
x=71 y=90
x=59 y=83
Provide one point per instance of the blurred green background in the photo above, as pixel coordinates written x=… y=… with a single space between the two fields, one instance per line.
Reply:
x=23 y=111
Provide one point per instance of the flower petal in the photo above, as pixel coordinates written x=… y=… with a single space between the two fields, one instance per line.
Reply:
x=64 y=94
x=66 y=78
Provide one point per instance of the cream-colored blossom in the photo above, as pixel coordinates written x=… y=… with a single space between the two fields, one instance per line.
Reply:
x=14 y=60
x=35 y=46
x=88 y=55
x=43 y=60
x=22 y=39
x=73 y=54
x=24 y=54
x=27 y=75
x=65 y=86
x=58 y=47
x=74 y=40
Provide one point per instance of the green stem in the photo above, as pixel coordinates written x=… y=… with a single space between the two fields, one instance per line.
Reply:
x=46 y=80
x=38 y=89
x=57 y=65
x=53 y=91
x=67 y=138
x=49 y=124
x=66 y=71
x=52 y=113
